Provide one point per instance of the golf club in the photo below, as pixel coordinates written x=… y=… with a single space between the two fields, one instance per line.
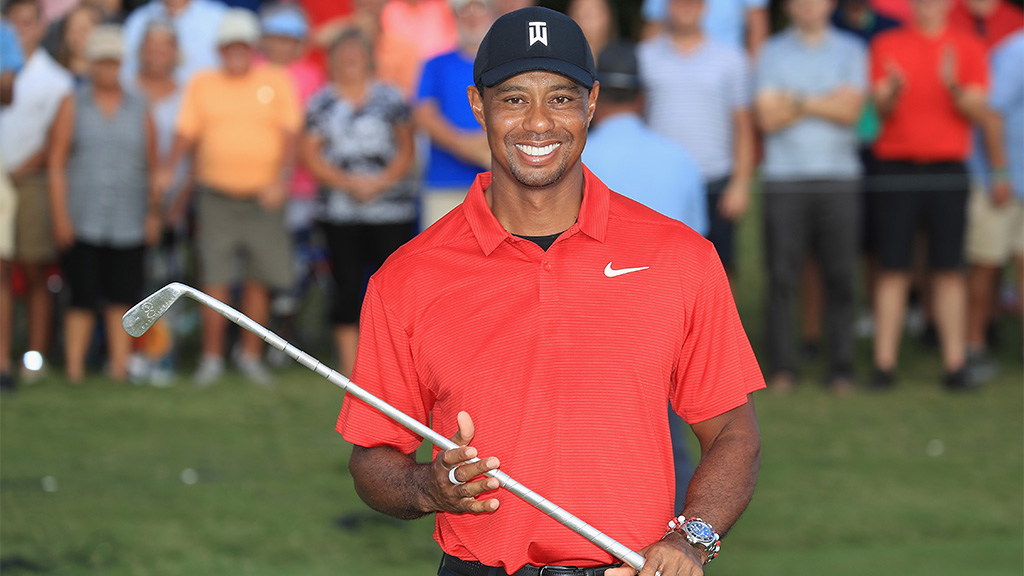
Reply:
x=144 y=314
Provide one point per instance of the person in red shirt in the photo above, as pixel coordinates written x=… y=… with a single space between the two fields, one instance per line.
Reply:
x=929 y=81
x=565 y=318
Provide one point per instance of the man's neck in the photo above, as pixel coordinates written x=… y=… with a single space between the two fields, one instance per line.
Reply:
x=931 y=29
x=525 y=211
x=687 y=39
x=812 y=35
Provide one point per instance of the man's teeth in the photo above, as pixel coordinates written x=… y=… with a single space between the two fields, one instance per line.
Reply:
x=538 y=151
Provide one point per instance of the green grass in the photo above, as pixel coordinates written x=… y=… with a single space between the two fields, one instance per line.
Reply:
x=847 y=487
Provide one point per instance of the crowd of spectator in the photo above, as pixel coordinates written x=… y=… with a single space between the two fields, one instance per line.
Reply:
x=231 y=143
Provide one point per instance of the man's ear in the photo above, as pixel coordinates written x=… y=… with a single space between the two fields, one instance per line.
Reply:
x=476 y=102
x=592 y=102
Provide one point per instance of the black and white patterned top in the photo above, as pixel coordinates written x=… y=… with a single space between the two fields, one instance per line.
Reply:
x=360 y=140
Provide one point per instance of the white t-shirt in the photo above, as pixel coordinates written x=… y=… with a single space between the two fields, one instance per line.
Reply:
x=38 y=91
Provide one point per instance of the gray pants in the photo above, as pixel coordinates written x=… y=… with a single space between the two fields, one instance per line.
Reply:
x=801 y=217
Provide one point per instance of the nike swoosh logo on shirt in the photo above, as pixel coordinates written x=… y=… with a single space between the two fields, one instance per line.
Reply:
x=612 y=273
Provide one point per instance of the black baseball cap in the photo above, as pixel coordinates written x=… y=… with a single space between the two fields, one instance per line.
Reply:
x=617 y=67
x=534 y=39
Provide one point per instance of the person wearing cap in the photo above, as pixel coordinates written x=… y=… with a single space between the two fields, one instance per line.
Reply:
x=546 y=324
x=811 y=87
x=641 y=164
x=25 y=125
x=457 y=145
x=196 y=22
x=240 y=123
x=105 y=208
x=699 y=95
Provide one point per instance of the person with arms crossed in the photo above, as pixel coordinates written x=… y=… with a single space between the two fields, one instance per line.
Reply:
x=811 y=86
x=525 y=307
x=698 y=94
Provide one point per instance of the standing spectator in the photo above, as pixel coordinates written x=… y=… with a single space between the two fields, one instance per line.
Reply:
x=241 y=122
x=643 y=165
x=698 y=94
x=196 y=22
x=394 y=56
x=740 y=23
x=74 y=34
x=102 y=218
x=929 y=82
x=458 y=147
x=430 y=22
x=995 y=228
x=991 y=20
x=359 y=144
x=11 y=61
x=811 y=84
x=166 y=261
x=597 y=19
x=24 y=135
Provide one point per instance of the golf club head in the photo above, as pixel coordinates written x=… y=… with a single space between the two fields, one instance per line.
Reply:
x=144 y=314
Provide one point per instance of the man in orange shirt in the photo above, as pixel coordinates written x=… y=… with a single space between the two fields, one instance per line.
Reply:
x=566 y=319
x=929 y=82
x=241 y=123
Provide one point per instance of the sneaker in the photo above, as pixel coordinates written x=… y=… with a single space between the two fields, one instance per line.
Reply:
x=957 y=381
x=980 y=367
x=255 y=371
x=882 y=380
x=210 y=370
x=7 y=383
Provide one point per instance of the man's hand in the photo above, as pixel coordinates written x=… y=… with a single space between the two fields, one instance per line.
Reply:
x=365 y=188
x=1001 y=194
x=448 y=497
x=670 y=556
x=153 y=228
x=272 y=197
x=63 y=231
x=735 y=200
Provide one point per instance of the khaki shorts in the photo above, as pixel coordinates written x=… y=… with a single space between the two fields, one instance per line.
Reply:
x=993 y=233
x=8 y=205
x=437 y=202
x=231 y=227
x=33 y=233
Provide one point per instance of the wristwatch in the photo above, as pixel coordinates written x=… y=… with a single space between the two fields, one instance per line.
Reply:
x=698 y=533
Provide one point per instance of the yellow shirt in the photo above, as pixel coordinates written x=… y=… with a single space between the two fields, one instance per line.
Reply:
x=238 y=124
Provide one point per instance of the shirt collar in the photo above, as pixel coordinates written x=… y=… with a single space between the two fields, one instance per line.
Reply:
x=592 y=221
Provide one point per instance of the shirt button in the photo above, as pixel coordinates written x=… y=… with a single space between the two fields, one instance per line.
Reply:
x=547 y=266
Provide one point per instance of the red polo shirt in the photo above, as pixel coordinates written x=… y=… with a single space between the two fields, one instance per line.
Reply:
x=925 y=125
x=566 y=364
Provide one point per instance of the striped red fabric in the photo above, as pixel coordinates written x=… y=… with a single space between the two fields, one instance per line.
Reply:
x=565 y=359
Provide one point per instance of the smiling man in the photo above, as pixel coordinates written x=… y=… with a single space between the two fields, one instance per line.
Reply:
x=550 y=322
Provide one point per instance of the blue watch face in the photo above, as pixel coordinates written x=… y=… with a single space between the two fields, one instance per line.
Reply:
x=701 y=531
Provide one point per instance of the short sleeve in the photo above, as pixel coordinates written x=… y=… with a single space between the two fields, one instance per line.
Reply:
x=972 y=64
x=289 y=108
x=316 y=108
x=398 y=110
x=766 y=76
x=384 y=367
x=716 y=368
x=188 y=123
x=857 y=66
x=11 y=58
x=741 y=81
x=1008 y=75
x=754 y=4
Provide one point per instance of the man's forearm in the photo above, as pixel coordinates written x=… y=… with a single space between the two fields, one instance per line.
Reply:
x=743 y=152
x=723 y=484
x=842 y=106
x=391 y=482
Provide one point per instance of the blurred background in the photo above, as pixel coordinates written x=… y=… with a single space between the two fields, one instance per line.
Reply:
x=274 y=154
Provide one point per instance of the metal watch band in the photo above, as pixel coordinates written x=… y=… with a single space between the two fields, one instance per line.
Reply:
x=711 y=545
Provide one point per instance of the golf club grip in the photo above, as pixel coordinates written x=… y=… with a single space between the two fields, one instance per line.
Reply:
x=592 y=534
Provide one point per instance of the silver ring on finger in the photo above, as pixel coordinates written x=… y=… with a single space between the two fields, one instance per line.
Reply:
x=657 y=573
x=452 y=478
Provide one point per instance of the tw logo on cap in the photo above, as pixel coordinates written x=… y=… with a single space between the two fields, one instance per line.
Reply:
x=538 y=33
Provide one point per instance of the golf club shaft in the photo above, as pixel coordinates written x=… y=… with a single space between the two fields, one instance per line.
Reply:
x=592 y=534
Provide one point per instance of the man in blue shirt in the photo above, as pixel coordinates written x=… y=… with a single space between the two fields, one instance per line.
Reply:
x=458 y=146
x=995 y=228
x=645 y=166
x=10 y=61
x=811 y=85
x=740 y=23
